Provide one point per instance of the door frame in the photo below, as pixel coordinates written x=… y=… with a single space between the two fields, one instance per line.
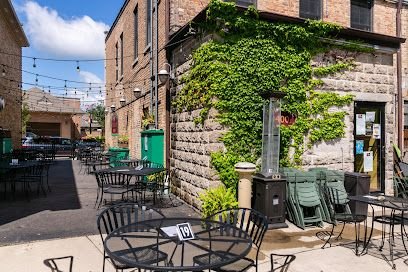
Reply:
x=381 y=107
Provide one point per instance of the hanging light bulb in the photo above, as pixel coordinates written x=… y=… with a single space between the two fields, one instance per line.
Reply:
x=3 y=72
x=36 y=79
x=49 y=89
x=77 y=68
x=34 y=65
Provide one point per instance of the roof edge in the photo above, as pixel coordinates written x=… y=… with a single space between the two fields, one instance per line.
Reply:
x=116 y=19
x=345 y=32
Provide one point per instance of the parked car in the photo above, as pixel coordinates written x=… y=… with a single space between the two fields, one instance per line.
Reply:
x=61 y=146
x=88 y=143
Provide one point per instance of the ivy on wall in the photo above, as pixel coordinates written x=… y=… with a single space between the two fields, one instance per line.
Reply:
x=250 y=57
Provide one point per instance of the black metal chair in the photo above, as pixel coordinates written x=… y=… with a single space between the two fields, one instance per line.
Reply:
x=283 y=266
x=340 y=213
x=252 y=222
x=112 y=183
x=31 y=175
x=124 y=214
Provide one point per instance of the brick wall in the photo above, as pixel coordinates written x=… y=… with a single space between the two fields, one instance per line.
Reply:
x=10 y=117
x=136 y=73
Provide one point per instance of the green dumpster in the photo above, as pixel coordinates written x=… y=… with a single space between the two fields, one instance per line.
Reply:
x=153 y=145
x=6 y=145
x=117 y=154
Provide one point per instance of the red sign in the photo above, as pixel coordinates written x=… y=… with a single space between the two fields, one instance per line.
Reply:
x=115 y=124
x=287 y=119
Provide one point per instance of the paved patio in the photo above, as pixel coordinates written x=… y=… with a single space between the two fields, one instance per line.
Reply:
x=62 y=228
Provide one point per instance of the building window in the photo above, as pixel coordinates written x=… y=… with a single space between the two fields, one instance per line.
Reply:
x=117 y=61
x=361 y=14
x=136 y=33
x=148 y=22
x=310 y=9
x=121 y=54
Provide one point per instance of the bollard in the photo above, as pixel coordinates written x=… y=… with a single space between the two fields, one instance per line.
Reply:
x=245 y=171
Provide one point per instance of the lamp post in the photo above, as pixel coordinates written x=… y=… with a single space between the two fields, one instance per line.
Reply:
x=269 y=186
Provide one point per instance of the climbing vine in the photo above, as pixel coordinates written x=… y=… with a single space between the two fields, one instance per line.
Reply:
x=248 y=58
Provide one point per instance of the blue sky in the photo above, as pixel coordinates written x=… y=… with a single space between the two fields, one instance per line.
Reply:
x=62 y=29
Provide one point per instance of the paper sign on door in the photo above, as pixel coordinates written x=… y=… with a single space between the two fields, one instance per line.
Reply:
x=360 y=124
x=368 y=161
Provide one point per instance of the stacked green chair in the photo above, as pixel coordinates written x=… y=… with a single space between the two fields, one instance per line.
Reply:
x=304 y=202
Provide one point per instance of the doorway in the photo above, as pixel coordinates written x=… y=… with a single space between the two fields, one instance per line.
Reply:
x=369 y=142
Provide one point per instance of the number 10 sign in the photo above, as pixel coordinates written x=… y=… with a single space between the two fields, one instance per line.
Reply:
x=185 y=232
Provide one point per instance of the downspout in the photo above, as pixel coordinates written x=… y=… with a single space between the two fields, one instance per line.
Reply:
x=156 y=51
x=399 y=80
x=168 y=92
x=151 y=58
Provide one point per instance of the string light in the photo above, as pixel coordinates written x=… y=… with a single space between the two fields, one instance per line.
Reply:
x=34 y=65
x=77 y=68
x=3 y=72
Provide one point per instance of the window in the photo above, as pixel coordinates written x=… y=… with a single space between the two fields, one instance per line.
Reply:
x=361 y=14
x=148 y=22
x=121 y=54
x=310 y=9
x=245 y=3
x=117 y=61
x=136 y=33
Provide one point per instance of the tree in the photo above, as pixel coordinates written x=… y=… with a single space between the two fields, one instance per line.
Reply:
x=25 y=117
x=97 y=113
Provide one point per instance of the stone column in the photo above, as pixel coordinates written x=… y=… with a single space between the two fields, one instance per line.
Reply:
x=245 y=171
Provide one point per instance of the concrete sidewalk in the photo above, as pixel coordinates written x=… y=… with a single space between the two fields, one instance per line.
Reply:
x=86 y=253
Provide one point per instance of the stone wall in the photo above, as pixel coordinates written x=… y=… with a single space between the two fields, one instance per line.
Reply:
x=191 y=144
x=372 y=80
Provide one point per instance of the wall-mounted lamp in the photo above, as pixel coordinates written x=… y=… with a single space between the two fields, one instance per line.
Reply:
x=3 y=72
x=113 y=107
x=165 y=75
x=106 y=111
x=122 y=101
x=137 y=92
x=2 y=103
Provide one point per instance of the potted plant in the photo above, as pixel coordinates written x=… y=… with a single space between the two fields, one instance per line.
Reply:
x=148 y=121
x=123 y=141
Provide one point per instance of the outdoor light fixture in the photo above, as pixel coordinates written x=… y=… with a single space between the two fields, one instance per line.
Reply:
x=2 y=103
x=164 y=75
x=106 y=111
x=137 y=92
x=122 y=101
x=3 y=72
x=113 y=107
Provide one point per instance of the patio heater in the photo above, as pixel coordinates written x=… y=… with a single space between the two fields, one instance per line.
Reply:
x=269 y=186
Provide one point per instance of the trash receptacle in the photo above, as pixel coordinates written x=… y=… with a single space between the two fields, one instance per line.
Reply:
x=117 y=154
x=152 y=145
x=6 y=145
x=357 y=184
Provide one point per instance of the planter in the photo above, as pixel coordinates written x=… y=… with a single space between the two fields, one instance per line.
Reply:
x=150 y=126
x=123 y=145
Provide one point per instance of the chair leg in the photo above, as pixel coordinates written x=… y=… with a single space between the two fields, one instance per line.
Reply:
x=341 y=232
x=328 y=240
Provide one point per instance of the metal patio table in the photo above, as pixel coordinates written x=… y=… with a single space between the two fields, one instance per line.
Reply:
x=226 y=242
x=395 y=204
x=135 y=172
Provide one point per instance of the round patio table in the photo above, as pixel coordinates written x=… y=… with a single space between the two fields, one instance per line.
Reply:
x=222 y=243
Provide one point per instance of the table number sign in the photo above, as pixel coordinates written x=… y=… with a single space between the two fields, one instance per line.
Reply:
x=185 y=232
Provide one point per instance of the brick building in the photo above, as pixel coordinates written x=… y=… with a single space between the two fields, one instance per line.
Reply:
x=52 y=115
x=374 y=21
x=12 y=40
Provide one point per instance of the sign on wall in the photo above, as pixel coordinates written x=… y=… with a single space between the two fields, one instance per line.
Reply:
x=114 y=122
x=287 y=119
